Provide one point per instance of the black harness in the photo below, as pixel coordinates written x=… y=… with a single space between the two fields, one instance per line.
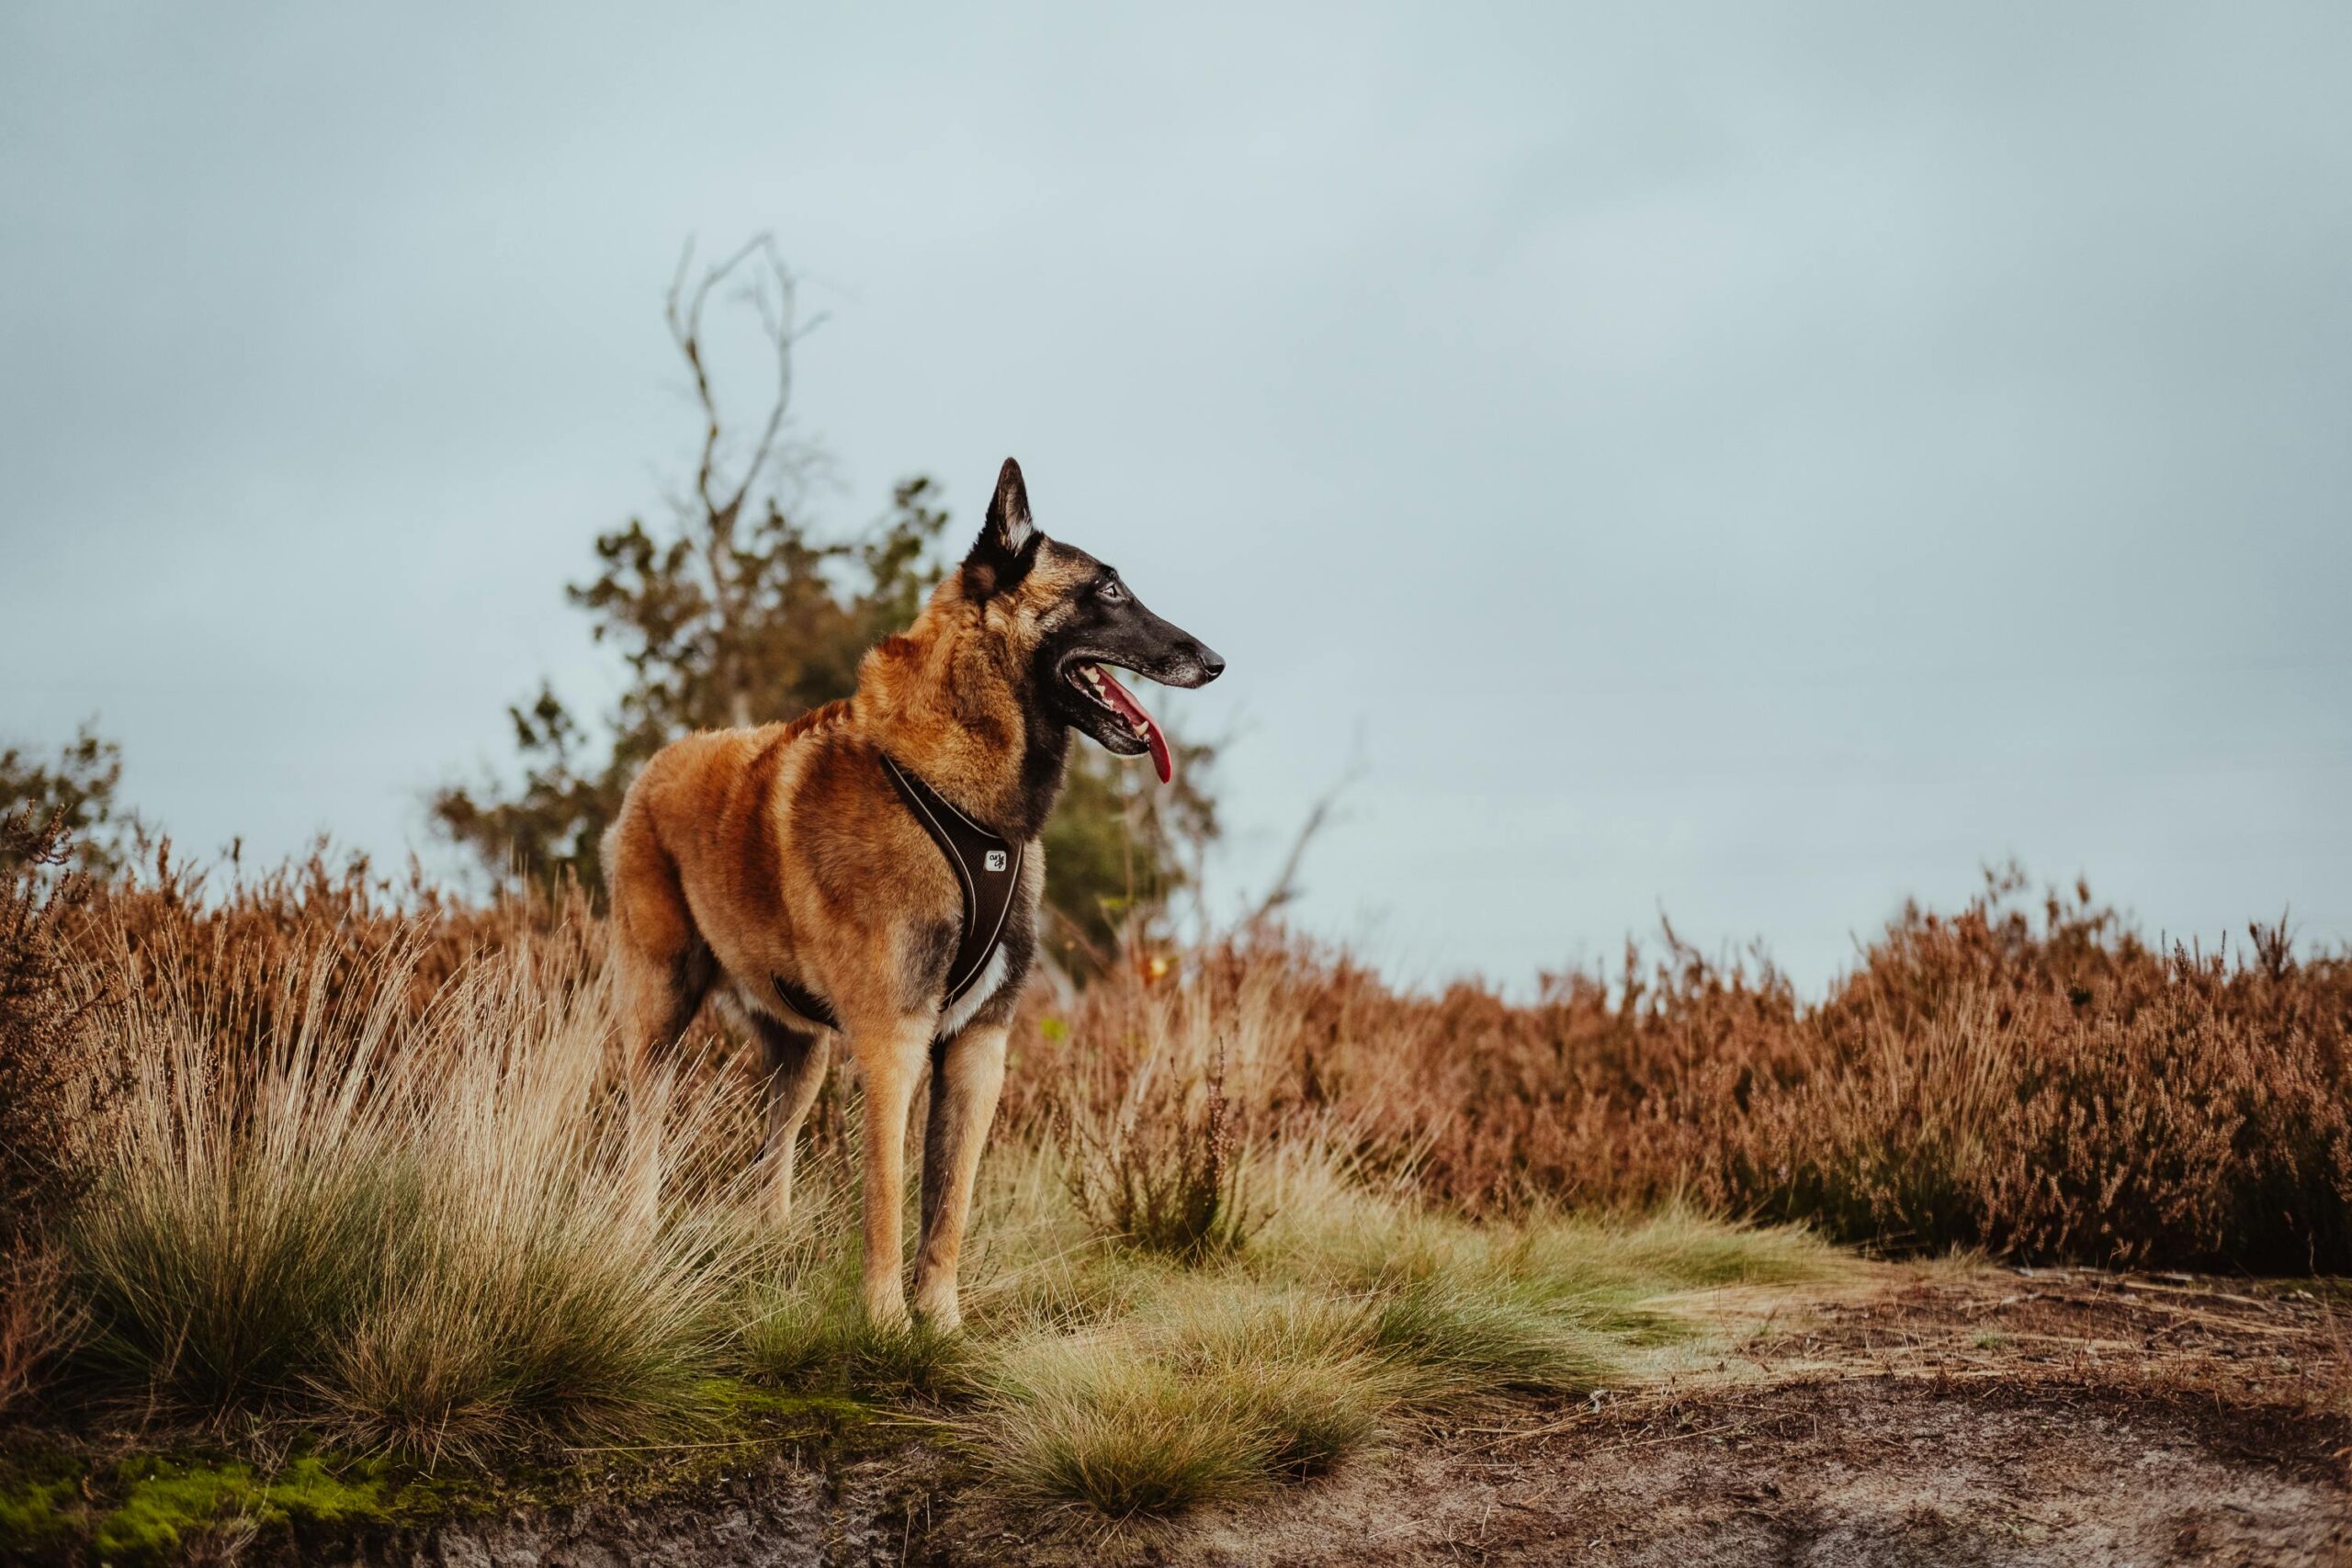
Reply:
x=987 y=867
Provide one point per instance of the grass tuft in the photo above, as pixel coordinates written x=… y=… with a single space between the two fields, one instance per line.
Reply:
x=1469 y=1338
x=420 y=1238
x=1123 y=1435
x=817 y=1340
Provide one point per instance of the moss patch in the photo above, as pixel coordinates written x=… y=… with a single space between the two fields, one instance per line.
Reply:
x=163 y=1502
x=37 y=1516
x=147 y=1508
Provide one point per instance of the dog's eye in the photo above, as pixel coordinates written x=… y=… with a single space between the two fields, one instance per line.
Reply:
x=1114 y=591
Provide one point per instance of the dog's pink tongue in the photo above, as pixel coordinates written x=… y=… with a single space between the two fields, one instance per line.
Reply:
x=1124 y=701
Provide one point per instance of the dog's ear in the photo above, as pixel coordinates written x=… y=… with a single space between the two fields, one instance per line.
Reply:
x=1001 y=556
x=1010 y=527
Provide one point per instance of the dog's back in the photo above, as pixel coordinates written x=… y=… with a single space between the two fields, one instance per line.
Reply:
x=745 y=856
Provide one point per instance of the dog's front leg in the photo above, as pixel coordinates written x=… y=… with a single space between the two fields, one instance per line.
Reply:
x=889 y=1060
x=964 y=1088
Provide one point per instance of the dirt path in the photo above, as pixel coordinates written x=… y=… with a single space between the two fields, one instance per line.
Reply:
x=1945 y=1418
x=1934 y=1416
x=1878 y=1473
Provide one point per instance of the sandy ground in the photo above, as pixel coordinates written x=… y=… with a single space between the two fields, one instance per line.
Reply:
x=1945 y=1416
x=1938 y=1415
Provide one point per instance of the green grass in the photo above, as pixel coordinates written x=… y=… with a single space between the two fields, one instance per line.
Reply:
x=1069 y=1422
x=64 y=1504
x=1306 y=1375
x=1098 y=1376
x=164 y=1502
x=1092 y=1377
x=1469 y=1335
x=814 y=1338
x=218 y=1288
x=1125 y=1387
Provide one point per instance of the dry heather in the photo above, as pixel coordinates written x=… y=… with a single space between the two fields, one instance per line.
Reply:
x=2027 y=1077
x=2041 y=1083
x=243 y=946
x=46 y=1088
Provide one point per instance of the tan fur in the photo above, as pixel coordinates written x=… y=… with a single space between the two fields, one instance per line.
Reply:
x=741 y=855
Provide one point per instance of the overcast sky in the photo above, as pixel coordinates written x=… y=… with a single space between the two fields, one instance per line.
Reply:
x=1752 y=462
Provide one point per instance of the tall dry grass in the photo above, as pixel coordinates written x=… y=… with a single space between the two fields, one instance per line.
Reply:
x=410 y=1227
x=37 y=1320
x=50 y=1093
x=228 y=939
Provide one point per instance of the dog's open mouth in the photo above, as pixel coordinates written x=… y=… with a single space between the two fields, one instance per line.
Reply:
x=1104 y=689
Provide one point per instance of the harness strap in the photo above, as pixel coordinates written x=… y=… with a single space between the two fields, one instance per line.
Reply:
x=988 y=866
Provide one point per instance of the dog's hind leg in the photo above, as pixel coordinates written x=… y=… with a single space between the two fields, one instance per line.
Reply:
x=661 y=970
x=662 y=967
x=795 y=1060
x=966 y=1079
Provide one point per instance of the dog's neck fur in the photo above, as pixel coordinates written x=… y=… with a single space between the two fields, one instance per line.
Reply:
x=953 y=698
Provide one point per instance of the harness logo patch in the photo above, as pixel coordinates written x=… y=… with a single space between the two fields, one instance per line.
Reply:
x=996 y=860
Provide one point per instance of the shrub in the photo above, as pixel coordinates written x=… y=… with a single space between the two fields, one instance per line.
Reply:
x=1165 y=1178
x=2032 y=1077
x=242 y=955
x=51 y=1092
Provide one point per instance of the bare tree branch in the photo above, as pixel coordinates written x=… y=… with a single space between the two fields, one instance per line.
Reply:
x=1285 y=888
x=770 y=291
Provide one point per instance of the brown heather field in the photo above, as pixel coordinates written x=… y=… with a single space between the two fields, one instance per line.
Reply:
x=314 y=1175
x=2028 y=1076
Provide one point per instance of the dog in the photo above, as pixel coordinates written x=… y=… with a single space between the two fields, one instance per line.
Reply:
x=790 y=869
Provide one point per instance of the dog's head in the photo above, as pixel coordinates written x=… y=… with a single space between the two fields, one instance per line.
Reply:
x=1077 y=620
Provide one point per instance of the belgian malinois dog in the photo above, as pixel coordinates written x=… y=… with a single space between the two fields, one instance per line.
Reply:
x=791 y=870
